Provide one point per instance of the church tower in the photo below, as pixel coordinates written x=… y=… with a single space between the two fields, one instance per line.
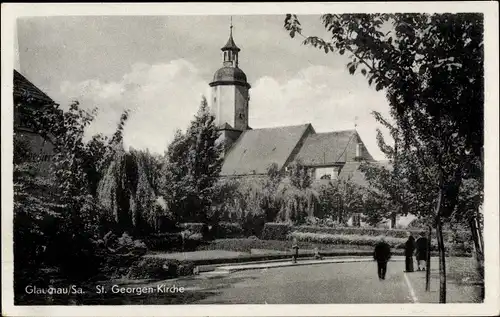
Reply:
x=230 y=94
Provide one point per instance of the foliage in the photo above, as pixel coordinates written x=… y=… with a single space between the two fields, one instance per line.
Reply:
x=58 y=211
x=298 y=199
x=431 y=67
x=178 y=241
x=276 y=231
x=228 y=230
x=322 y=222
x=346 y=239
x=129 y=190
x=396 y=233
x=190 y=175
x=158 y=269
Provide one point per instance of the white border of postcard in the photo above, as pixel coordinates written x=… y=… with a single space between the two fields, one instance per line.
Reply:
x=491 y=211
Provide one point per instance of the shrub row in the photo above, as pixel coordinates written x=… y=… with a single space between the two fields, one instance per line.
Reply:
x=154 y=268
x=364 y=240
x=228 y=230
x=351 y=239
x=194 y=227
x=396 y=233
x=276 y=231
x=173 y=242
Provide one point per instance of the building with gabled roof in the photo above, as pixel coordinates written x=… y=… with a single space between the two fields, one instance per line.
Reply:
x=27 y=96
x=250 y=152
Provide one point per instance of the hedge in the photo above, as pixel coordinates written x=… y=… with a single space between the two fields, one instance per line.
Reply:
x=173 y=242
x=366 y=240
x=228 y=230
x=194 y=227
x=396 y=233
x=154 y=268
x=276 y=231
x=351 y=239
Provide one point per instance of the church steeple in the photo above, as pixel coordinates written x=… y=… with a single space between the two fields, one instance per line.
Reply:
x=230 y=50
x=230 y=93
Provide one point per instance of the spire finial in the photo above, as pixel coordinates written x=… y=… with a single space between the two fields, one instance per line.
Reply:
x=231 y=25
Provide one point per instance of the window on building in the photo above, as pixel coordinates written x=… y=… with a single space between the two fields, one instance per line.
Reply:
x=326 y=173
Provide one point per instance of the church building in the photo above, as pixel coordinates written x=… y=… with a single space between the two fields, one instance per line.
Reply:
x=330 y=155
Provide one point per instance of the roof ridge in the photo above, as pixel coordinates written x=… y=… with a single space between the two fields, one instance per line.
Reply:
x=338 y=131
x=281 y=127
x=20 y=77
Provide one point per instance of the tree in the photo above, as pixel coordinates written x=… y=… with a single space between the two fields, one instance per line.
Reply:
x=194 y=161
x=60 y=207
x=350 y=198
x=388 y=186
x=129 y=191
x=298 y=200
x=431 y=67
x=269 y=201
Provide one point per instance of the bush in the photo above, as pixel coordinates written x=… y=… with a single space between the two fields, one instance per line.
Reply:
x=174 y=241
x=395 y=233
x=276 y=231
x=164 y=241
x=155 y=268
x=228 y=230
x=345 y=239
x=253 y=224
x=195 y=227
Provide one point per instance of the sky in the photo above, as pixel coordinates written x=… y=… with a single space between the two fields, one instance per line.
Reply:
x=159 y=67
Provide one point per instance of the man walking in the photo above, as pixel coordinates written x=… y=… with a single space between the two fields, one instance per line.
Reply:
x=422 y=252
x=382 y=254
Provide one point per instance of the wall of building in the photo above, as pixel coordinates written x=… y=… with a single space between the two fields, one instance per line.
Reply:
x=332 y=171
x=241 y=107
x=230 y=104
x=223 y=99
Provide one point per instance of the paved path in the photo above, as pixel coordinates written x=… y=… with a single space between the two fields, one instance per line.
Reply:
x=331 y=283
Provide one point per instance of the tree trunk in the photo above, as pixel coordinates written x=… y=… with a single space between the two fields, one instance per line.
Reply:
x=478 y=250
x=442 y=261
x=428 y=261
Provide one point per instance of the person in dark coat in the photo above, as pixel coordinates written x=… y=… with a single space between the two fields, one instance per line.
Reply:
x=409 y=249
x=422 y=249
x=382 y=254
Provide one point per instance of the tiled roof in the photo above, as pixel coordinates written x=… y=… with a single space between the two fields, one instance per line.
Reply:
x=332 y=148
x=255 y=150
x=23 y=88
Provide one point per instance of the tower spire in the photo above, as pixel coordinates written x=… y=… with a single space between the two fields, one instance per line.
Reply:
x=230 y=50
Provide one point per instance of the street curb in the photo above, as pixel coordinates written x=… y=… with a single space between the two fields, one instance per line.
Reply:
x=235 y=268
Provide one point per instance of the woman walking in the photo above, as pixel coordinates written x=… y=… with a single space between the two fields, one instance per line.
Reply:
x=409 y=248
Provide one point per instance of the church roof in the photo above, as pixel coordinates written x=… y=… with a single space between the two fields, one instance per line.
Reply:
x=255 y=150
x=230 y=75
x=331 y=148
x=23 y=88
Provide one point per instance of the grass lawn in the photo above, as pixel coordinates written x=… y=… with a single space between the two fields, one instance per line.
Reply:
x=197 y=255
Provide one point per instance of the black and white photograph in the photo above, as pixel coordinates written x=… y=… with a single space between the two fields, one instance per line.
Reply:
x=201 y=156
